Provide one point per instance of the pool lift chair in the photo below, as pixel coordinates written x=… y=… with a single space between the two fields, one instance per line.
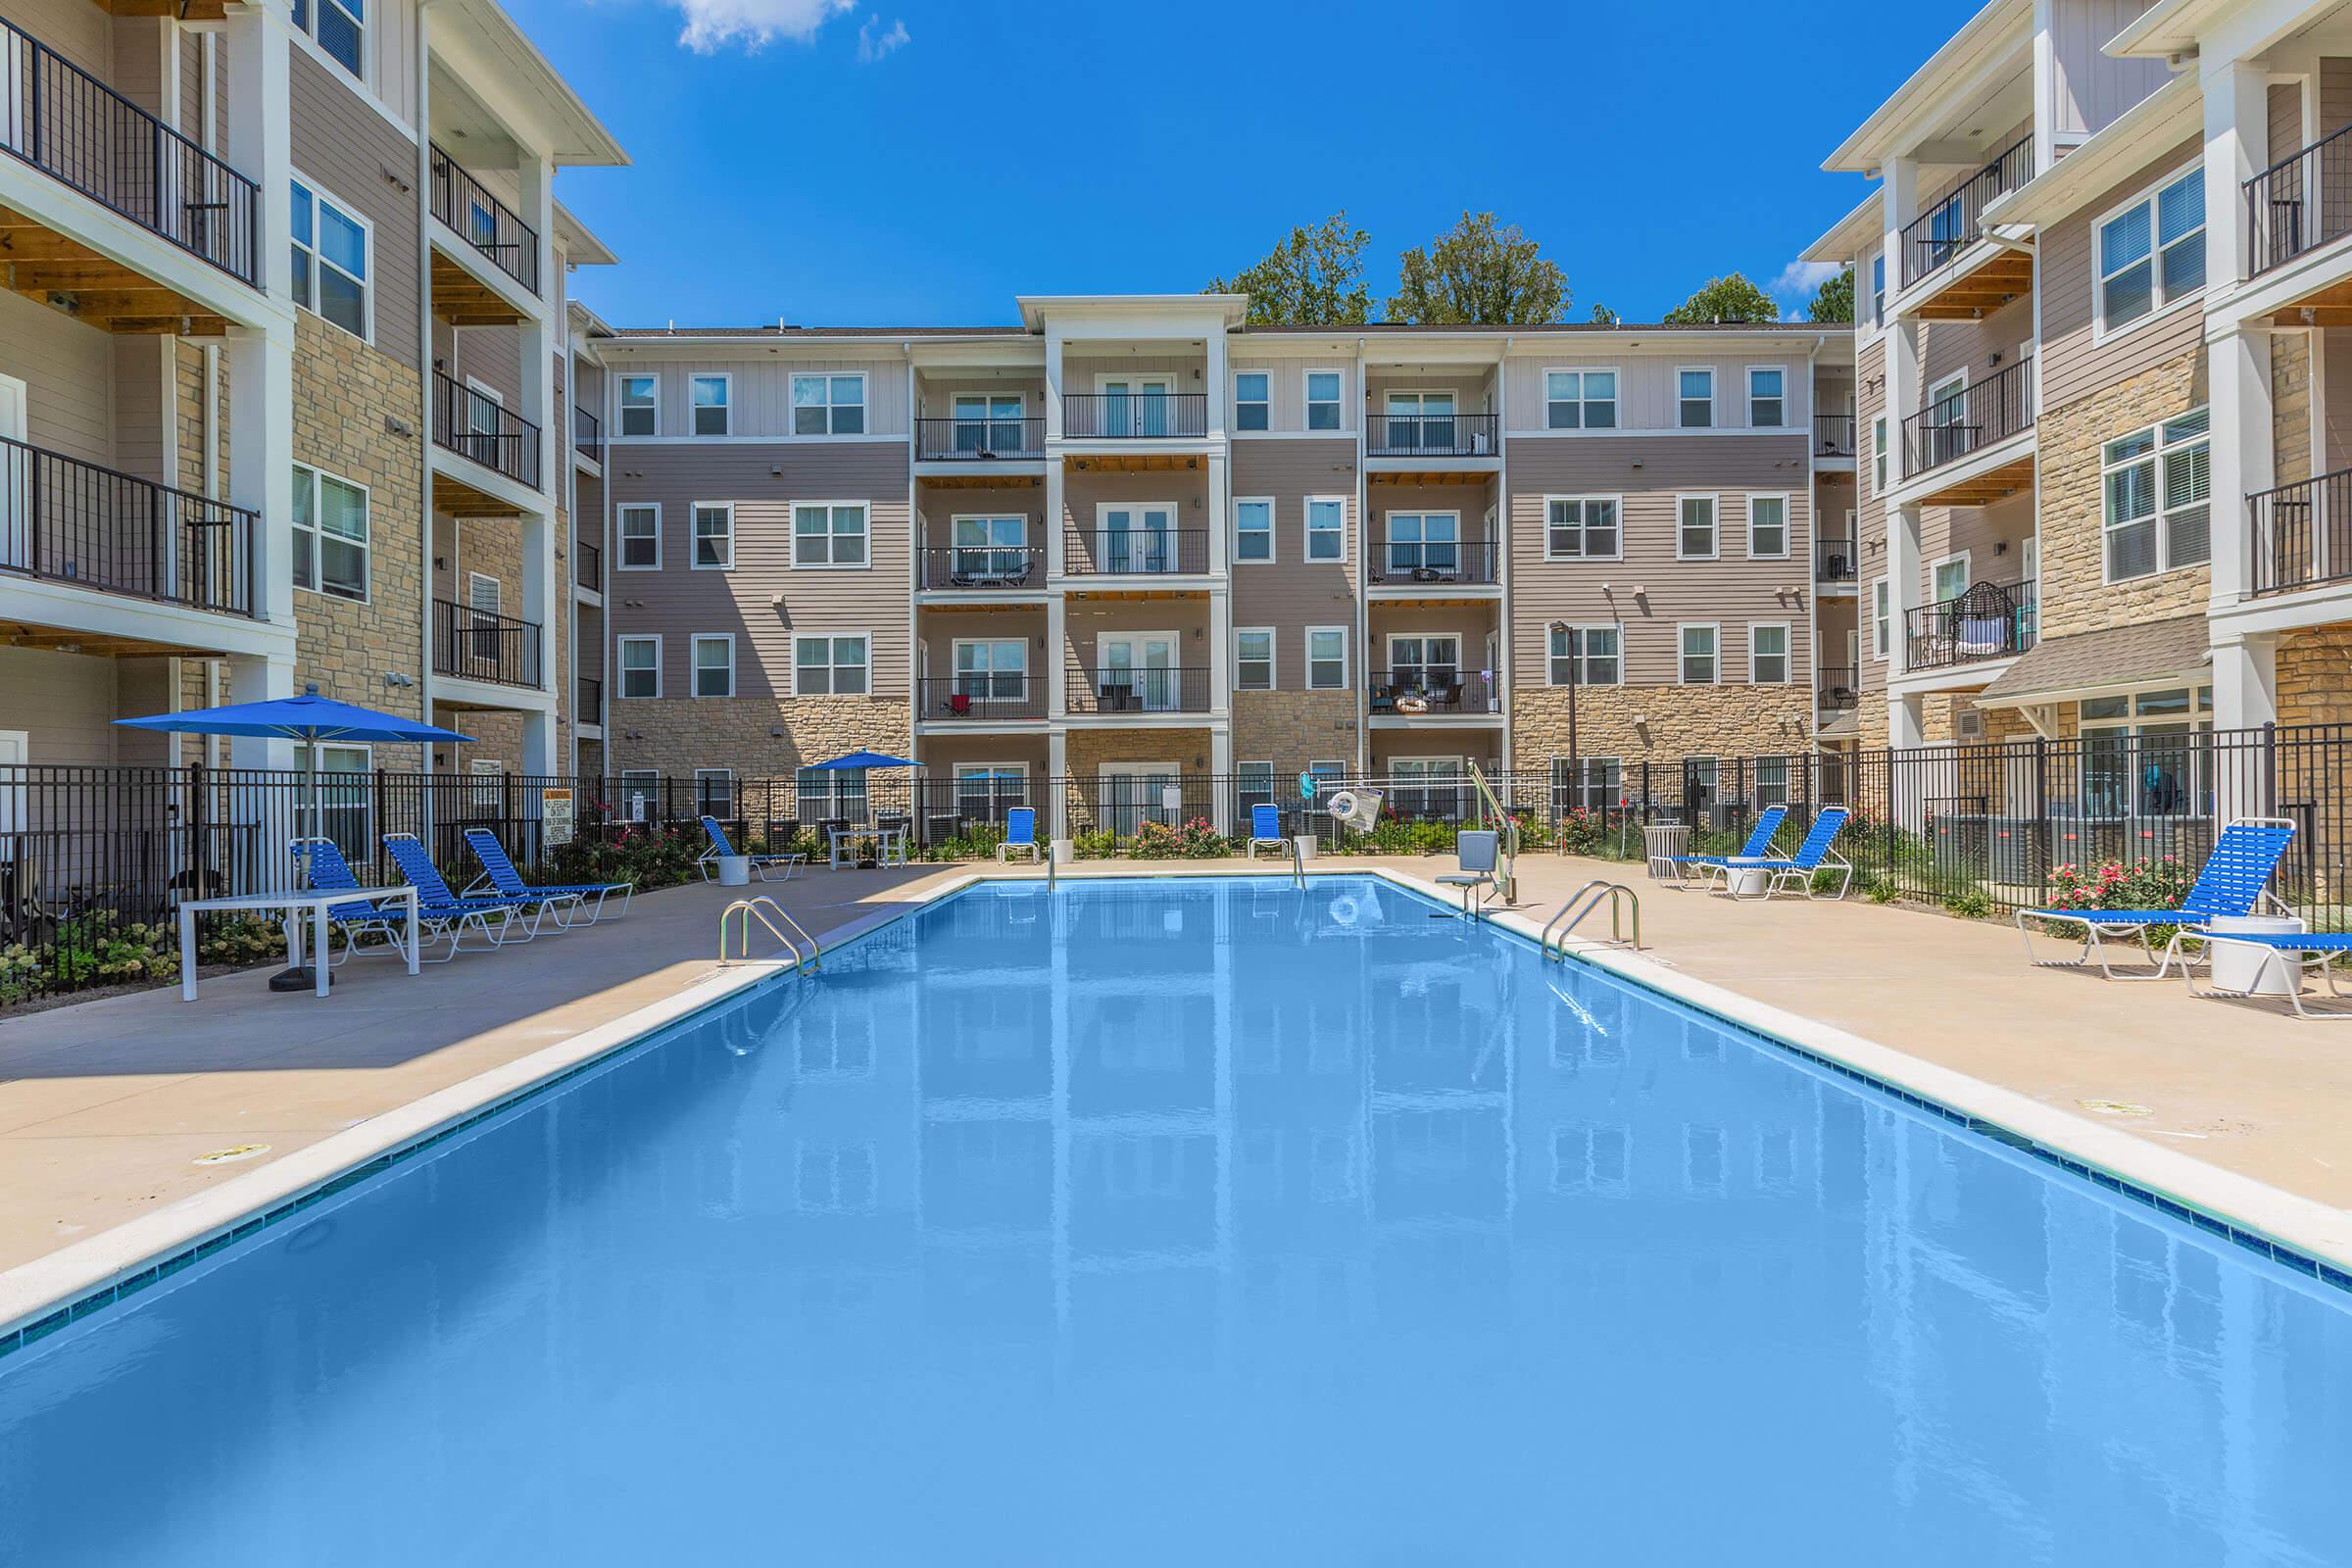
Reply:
x=1477 y=850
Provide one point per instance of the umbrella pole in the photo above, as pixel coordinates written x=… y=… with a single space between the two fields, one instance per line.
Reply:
x=300 y=976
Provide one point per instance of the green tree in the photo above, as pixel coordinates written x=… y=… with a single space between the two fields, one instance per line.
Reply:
x=1602 y=315
x=1314 y=278
x=1478 y=273
x=1726 y=299
x=1834 y=301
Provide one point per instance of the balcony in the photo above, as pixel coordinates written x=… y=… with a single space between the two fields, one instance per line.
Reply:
x=979 y=440
x=1949 y=224
x=80 y=133
x=980 y=696
x=484 y=221
x=1134 y=415
x=1835 y=562
x=65 y=520
x=591 y=702
x=1161 y=690
x=2302 y=533
x=1974 y=419
x=1988 y=621
x=587 y=435
x=589 y=566
x=1003 y=568
x=1432 y=691
x=1431 y=435
x=475 y=426
x=1427 y=564
x=478 y=645
x=1837 y=688
x=2299 y=202
x=1138 y=553
x=1833 y=435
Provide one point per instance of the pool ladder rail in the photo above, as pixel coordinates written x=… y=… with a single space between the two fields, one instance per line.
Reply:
x=1621 y=901
x=783 y=927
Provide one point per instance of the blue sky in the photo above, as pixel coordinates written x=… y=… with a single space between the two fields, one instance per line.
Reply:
x=917 y=162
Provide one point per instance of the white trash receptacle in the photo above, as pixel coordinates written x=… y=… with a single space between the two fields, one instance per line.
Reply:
x=1661 y=843
x=2238 y=967
x=1306 y=845
x=1747 y=879
x=1064 y=852
x=734 y=870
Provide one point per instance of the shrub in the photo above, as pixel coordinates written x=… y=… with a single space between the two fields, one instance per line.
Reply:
x=1094 y=845
x=1583 y=831
x=2114 y=885
x=1882 y=890
x=1972 y=904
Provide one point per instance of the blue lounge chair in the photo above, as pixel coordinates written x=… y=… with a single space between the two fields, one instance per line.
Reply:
x=1702 y=869
x=500 y=920
x=2287 y=954
x=2231 y=883
x=330 y=872
x=1020 y=833
x=1815 y=853
x=571 y=905
x=1265 y=829
x=708 y=861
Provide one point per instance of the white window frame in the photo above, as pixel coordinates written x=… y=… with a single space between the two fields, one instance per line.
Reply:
x=694 y=514
x=792 y=521
x=320 y=195
x=1273 y=658
x=621 y=406
x=832 y=637
x=1309 y=532
x=1584 y=527
x=1968 y=575
x=1584 y=403
x=1339 y=632
x=726 y=405
x=1265 y=402
x=701 y=793
x=1581 y=654
x=1881 y=619
x=316 y=584
x=694 y=663
x=1788 y=652
x=1308 y=402
x=865 y=404
x=2159 y=302
x=309 y=37
x=620 y=539
x=1714 y=503
x=2156 y=459
x=620 y=667
x=1787 y=506
x=1273 y=550
x=1713 y=411
x=1754 y=370
x=1878 y=454
x=1681 y=651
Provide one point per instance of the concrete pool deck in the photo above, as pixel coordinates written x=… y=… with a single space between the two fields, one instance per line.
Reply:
x=106 y=1108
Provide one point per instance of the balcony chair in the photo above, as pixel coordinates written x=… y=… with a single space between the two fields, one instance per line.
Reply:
x=2234 y=881
x=1265 y=830
x=1701 y=870
x=570 y=900
x=762 y=864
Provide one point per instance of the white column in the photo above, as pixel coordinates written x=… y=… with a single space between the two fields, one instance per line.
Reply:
x=1054 y=663
x=535 y=185
x=1052 y=521
x=1904 y=586
x=1053 y=386
x=2238 y=377
x=1901 y=198
x=538 y=743
x=255 y=679
x=1220 y=651
x=2245 y=682
x=1220 y=764
x=1220 y=504
x=1217 y=382
x=1057 y=770
x=1905 y=725
x=261 y=459
x=260 y=133
x=2237 y=131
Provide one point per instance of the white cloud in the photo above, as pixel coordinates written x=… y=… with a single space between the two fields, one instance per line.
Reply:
x=873 y=42
x=715 y=25
x=1803 y=278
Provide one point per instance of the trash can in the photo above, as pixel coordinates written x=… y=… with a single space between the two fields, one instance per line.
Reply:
x=1661 y=844
x=1306 y=845
x=2238 y=967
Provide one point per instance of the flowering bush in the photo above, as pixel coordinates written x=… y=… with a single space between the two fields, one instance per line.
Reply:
x=1195 y=840
x=2115 y=885
x=1583 y=831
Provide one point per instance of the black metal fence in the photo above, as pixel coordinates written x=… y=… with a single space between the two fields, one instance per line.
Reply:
x=1833 y=436
x=1991 y=620
x=75 y=521
x=2302 y=532
x=1140 y=689
x=980 y=438
x=1950 y=222
x=487 y=223
x=1835 y=561
x=1145 y=415
x=478 y=426
x=1978 y=415
x=1135 y=551
x=480 y=645
x=1393 y=562
x=2299 y=202
x=1431 y=435
x=1002 y=567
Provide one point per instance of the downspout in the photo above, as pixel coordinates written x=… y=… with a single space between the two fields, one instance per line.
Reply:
x=424 y=388
x=1812 y=557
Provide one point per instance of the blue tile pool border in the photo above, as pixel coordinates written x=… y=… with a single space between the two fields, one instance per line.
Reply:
x=33 y=1332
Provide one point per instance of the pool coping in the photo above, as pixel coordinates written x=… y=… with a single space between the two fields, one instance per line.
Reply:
x=47 y=1293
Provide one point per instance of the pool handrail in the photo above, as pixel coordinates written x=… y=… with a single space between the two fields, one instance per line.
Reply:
x=1590 y=896
x=759 y=908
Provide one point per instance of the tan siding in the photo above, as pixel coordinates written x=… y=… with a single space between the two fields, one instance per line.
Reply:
x=139 y=63
x=937 y=509
x=2335 y=94
x=2287 y=119
x=1286 y=386
x=143 y=441
x=2072 y=366
x=938 y=395
x=760 y=397
x=2092 y=88
x=1294 y=593
x=940 y=629
x=1968 y=347
x=1089 y=621
x=69 y=375
x=78 y=31
x=1647 y=384
x=369 y=164
x=1083 y=495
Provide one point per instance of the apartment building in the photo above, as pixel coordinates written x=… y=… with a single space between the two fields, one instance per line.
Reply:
x=283 y=363
x=1132 y=539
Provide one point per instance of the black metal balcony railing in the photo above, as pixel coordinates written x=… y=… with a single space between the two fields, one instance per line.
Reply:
x=590 y=567
x=1439 y=689
x=2302 y=533
x=1833 y=436
x=74 y=522
x=1835 y=561
x=2299 y=202
x=1134 y=553
x=1134 y=415
x=1839 y=686
x=74 y=129
x=1971 y=420
x=1430 y=435
x=477 y=645
x=978 y=440
x=485 y=222
x=1988 y=621
x=1949 y=224
x=981 y=696
x=1160 y=690
x=475 y=426
x=1393 y=562
x=983 y=567
x=591 y=710
x=587 y=434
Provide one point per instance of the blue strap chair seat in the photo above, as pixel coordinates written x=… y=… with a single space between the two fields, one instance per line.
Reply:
x=568 y=901
x=1817 y=853
x=708 y=861
x=1701 y=870
x=364 y=920
x=498 y=919
x=2234 y=881
x=1021 y=835
x=2288 y=955
x=1265 y=831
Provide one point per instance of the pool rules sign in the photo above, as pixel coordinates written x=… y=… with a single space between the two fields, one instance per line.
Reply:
x=554 y=817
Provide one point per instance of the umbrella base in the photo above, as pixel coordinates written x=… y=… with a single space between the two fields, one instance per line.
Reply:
x=300 y=977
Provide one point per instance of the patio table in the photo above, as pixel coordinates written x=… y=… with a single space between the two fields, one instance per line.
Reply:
x=890 y=844
x=295 y=905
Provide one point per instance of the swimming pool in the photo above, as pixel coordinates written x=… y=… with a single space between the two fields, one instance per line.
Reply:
x=1199 y=1220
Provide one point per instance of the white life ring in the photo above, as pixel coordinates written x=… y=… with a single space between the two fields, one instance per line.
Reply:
x=1342 y=805
x=1344 y=909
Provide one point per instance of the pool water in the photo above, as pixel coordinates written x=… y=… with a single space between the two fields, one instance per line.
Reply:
x=1200 y=1221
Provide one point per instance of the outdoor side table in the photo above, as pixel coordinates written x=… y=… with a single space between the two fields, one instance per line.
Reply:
x=294 y=905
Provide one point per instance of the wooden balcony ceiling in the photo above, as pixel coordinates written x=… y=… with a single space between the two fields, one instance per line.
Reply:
x=42 y=264
x=992 y=607
x=63 y=640
x=1994 y=484
x=985 y=481
x=1428 y=477
x=1141 y=462
x=463 y=300
x=1131 y=595
x=454 y=497
x=1396 y=597
x=2004 y=275
x=182 y=10
x=2326 y=306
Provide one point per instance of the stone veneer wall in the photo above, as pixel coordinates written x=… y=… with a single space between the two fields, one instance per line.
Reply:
x=1290 y=729
x=1679 y=721
x=2315 y=676
x=675 y=735
x=1088 y=750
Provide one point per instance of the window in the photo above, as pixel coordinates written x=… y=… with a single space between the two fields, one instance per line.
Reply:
x=1767 y=397
x=991 y=422
x=1424 y=546
x=1580 y=399
x=1768 y=654
x=640 y=525
x=828 y=533
x=640 y=667
x=1581 y=528
x=715 y=664
x=1585 y=656
x=330 y=535
x=1877 y=455
x=1694 y=536
x=640 y=405
x=1950 y=577
x=1323 y=400
x=1881 y=619
x=714 y=792
x=994 y=670
x=1696 y=398
x=1252 y=785
x=1253 y=529
x=1772 y=781
x=828 y=405
x=331 y=258
x=1767 y=527
x=1589 y=782
x=640 y=788
x=2158 y=487
x=1326 y=528
x=829 y=666
x=1699 y=656
x=986 y=790
x=829 y=794
x=713 y=535
x=710 y=397
x=341 y=28
x=1254 y=658
x=2152 y=252
x=990 y=552
x=1253 y=405
x=1326 y=659
x=1878 y=291
x=346 y=795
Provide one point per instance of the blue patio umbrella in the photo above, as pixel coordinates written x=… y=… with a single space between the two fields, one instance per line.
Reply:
x=865 y=760
x=310 y=719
